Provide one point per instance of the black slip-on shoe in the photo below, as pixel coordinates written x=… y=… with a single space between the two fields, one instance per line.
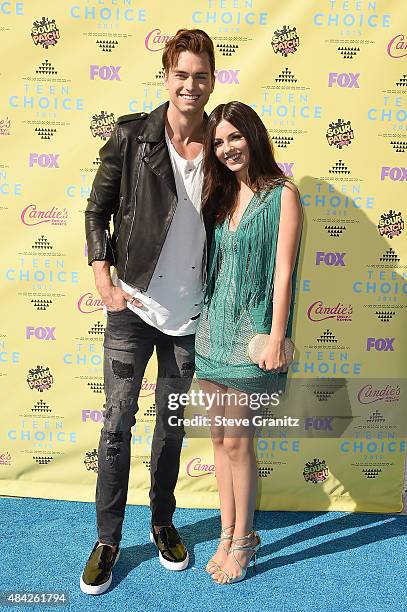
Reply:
x=97 y=576
x=171 y=550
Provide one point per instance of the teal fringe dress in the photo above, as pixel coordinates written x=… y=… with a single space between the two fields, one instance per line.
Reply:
x=238 y=302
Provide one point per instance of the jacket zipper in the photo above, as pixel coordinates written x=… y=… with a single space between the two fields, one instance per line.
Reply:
x=134 y=212
x=121 y=216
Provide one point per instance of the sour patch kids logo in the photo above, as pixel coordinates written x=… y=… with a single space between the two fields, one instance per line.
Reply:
x=285 y=41
x=102 y=125
x=45 y=32
x=339 y=133
x=315 y=471
x=40 y=378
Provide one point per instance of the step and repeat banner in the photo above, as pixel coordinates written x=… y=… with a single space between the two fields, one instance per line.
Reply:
x=328 y=78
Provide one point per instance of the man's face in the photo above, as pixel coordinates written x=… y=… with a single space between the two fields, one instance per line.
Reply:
x=190 y=82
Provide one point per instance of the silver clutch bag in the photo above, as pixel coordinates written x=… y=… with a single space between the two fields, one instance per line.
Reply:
x=259 y=342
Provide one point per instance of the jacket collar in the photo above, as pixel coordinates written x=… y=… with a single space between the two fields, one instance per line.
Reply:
x=154 y=126
x=158 y=158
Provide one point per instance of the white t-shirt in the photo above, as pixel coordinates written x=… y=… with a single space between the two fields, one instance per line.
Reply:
x=173 y=300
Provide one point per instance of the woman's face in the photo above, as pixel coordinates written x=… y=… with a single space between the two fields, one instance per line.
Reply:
x=231 y=148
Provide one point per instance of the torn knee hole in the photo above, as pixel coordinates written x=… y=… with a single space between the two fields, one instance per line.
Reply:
x=113 y=440
x=122 y=369
x=114 y=437
x=107 y=413
x=187 y=369
x=112 y=452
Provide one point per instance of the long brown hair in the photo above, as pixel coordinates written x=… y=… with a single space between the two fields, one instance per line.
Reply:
x=221 y=187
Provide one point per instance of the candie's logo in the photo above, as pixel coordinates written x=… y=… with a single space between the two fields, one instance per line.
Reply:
x=285 y=41
x=31 y=215
x=102 y=125
x=147 y=388
x=339 y=133
x=315 y=471
x=369 y=394
x=87 y=303
x=391 y=224
x=45 y=32
x=317 y=311
x=397 y=46
x=155 y=41
x=196 y=468
x=40 y=378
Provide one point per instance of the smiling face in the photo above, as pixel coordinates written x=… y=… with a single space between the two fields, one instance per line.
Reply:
x=190 y=82
x=231 y=148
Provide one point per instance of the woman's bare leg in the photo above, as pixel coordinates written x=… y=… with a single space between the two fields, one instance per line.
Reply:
x=239 y=449
x=222 y=471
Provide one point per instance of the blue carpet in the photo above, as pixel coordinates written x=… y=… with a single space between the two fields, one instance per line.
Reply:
x=308 y=562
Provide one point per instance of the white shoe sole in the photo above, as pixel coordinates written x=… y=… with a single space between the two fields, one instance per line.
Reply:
x=170 y=565
x=99 y=589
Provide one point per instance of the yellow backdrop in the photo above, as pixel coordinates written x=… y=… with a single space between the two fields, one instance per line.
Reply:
x=327 y=79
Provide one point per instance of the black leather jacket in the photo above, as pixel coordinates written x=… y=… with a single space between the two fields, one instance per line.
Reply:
x=135 y=184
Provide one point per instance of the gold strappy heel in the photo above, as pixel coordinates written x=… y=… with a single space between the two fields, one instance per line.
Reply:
x=254 y=548
x=223 y=536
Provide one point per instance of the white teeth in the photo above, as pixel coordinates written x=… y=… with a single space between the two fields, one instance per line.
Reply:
x=234 y=157
x=188 y=97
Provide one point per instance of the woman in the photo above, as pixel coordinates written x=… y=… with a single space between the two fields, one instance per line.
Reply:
x=253 y=262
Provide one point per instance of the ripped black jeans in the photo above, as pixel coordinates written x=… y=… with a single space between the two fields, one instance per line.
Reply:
x=128 y=345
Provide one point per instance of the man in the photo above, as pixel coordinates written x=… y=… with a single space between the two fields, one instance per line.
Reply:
x=150 y=180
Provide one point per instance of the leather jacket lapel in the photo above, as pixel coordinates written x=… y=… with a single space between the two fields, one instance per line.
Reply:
x=158 y=160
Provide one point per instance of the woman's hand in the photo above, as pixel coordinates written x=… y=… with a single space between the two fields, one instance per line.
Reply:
x=273 y=357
